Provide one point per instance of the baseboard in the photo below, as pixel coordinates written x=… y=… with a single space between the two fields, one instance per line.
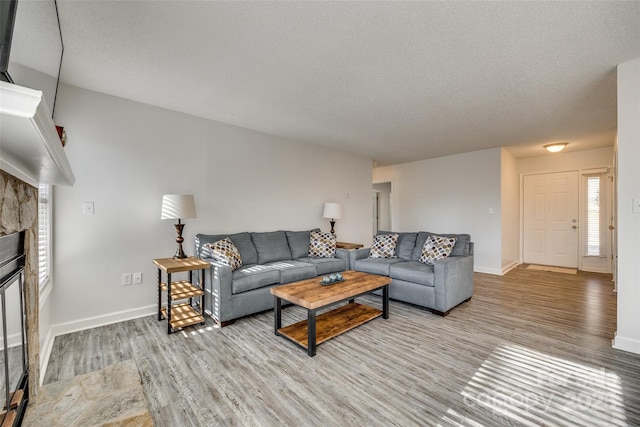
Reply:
x=509 y=267
x=106 y=319
x=631 y=345
x=487 y=270
x=45 y=353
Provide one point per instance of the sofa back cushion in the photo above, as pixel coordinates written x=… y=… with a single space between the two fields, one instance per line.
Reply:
x=406 y=244
x=242 y=241
x=271 y=246
x=299 y=243
x=461 y=247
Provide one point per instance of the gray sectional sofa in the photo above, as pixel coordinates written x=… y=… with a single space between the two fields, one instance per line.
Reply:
x=438 y=287
x=268 y=259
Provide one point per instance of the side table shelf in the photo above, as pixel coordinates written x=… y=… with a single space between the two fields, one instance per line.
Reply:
x=176 y=311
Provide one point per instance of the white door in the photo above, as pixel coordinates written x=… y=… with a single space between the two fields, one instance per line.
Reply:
x=551 y=219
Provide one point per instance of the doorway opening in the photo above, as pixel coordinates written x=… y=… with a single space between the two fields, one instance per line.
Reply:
x=381 y=204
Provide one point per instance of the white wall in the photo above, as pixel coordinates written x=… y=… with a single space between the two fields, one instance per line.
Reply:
x=126 y=155
x=451 y=194
x=510 y=210
x=628 y=333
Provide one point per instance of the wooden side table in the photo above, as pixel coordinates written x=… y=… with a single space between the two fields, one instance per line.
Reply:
x=181 y=314
x=345 y=245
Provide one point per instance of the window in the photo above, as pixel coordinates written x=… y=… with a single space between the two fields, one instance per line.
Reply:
x=597 y=212
x=44 y=233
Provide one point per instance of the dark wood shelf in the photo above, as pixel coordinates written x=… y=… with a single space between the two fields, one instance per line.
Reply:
x=182 y=289
x=331 y=323
x=183 y=315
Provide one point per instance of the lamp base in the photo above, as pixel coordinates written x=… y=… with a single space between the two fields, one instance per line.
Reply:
x=333 y=223
x=179 y=252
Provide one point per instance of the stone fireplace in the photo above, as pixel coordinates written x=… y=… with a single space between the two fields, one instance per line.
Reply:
x=19 y=211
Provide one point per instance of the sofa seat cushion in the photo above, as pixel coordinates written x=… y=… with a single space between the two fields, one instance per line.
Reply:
x=376 y=265
x=271 y=246
x=250 y=277
x=413 y=271
x=326 y=265
x=292 y=271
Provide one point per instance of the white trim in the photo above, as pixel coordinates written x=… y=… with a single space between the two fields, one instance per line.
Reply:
x=106 y=319
x=31 y=148
x=580 y=171
x=488 y=270
x=510 y=267
x=45 y=354
x=626 y=344
x=594 y=171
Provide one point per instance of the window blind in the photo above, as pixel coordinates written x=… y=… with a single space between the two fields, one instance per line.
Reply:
x=597 y=198
x=44 y=233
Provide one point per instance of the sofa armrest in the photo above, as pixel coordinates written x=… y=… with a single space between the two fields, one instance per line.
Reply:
x=218 y=289
x=357 y=254
x=453 y=281
x=343 y=254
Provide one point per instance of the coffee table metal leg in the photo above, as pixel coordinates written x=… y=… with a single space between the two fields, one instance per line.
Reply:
x=311 y=332
x=277 y=315
x=385 y=302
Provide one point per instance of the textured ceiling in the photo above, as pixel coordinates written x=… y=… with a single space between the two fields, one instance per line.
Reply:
x=394 y=81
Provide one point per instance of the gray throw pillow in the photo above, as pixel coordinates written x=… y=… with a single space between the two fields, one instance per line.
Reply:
x=271 y=246
x=299 y=242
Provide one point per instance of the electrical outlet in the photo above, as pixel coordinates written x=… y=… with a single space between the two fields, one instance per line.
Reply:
x=137 y=278
x=126 y=279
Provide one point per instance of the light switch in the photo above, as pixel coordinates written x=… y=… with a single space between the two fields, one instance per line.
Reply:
x=636 y=206
x=87 y=208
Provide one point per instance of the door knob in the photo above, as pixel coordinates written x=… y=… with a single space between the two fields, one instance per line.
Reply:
x=611 y=227
x=574 y=227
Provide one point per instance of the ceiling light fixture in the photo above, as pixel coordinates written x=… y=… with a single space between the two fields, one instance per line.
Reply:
x=555 y=147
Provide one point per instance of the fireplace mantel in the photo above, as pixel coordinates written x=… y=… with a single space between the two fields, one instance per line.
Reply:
x=29 y=143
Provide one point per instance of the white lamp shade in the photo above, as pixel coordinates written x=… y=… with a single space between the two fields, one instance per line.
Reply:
x=332 y=210
x=177 y=206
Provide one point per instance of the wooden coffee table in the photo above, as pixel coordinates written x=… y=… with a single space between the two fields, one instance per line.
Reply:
x=313 y=296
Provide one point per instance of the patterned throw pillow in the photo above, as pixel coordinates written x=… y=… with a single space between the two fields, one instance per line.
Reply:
x=322 y=245
x=435 y=248
x=226 y=252
x=384 y=246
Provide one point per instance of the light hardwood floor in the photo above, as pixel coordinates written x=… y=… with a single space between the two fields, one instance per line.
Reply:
x=530 y=348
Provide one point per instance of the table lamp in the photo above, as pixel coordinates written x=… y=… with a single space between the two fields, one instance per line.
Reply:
x=332 y=211
x=178 y=206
